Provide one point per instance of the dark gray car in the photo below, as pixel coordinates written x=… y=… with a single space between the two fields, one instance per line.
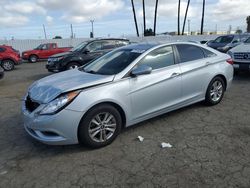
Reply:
x=83 y=53
x=227 y=42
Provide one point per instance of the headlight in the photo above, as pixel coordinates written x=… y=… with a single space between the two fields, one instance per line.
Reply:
x=57 y=104
x=55 y=59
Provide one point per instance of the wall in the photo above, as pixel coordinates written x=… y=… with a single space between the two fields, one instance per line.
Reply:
x=23 y=45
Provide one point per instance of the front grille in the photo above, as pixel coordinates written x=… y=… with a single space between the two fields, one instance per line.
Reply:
x=31 y=105
x=242 y=56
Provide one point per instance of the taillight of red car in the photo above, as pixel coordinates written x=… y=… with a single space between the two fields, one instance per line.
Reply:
x=230 y=61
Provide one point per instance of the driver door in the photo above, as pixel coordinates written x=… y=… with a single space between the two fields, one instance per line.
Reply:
x=159 y=90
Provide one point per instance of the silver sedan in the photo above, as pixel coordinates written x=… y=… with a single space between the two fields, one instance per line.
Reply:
x=90 y=105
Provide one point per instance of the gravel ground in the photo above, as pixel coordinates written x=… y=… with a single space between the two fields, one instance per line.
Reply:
x=211 y=146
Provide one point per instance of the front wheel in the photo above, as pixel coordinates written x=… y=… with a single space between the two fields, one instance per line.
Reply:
x=33 y=59
x=215 y=91
x=100 y=126
x=8 y=65
x=72 y=66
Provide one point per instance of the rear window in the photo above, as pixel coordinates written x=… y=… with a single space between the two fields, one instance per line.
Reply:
x=189 y=52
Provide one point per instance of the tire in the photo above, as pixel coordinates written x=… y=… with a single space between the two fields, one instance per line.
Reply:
x=8 y=65
x=72 y=65
x=91 y=123
x=215 y=91
x=33 y=59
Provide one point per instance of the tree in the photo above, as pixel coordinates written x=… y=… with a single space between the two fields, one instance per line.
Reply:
x=178 y=19
x=156 y=6
x=57 y=37
x=149 y=32
x=238 y=31
x=248 y=24
x=185 y=18
x=136 y=26
x=202 y=17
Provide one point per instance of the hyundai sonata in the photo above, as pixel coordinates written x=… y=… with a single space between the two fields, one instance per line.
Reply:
x=90 y=105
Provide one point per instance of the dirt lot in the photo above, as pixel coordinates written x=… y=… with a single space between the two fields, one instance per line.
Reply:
x=211 y=146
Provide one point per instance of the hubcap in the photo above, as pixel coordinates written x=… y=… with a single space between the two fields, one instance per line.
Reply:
x=102 y=127
x=216 y=91
x=33 y=59
x=7 y=65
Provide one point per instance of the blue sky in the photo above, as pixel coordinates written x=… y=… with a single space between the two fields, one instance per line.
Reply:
x=24 y=18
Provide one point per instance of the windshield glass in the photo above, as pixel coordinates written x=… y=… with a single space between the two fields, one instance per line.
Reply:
x=113 y=62
x=247 y=41
x=38 y=47
x=79 y=47
x=224 y=39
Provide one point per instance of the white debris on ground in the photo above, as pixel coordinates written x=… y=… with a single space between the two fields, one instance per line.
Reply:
x=140 y=138
x=166 y=145
x=3 y=172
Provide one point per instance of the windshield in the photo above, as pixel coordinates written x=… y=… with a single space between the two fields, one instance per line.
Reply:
x=113 y=62
x=224 y=39
x=247 y=41
x=79 y=47
x=38 y=47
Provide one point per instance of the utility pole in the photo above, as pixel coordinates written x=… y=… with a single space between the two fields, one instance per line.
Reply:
x=202 y=17
x=92 y=26
x=44 y=30
x=71 y=28
x=178 y=19
x=189 y=32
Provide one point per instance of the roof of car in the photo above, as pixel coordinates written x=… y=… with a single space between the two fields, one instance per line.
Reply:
x=141 y=46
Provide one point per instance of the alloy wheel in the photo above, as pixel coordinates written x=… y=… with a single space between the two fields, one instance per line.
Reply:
x=102 y=127
x=216 y=91
x=7 y=65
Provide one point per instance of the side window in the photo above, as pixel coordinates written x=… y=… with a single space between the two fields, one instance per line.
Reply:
x=94 y=46
x=208 y=53
x=54 y=46
x=2 y=50
x=44 y=47
x=159 y=58
x=120 y=43
x=108 y=44
x=189 y=52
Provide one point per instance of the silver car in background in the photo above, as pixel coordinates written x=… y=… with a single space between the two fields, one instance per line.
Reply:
x=91 y=105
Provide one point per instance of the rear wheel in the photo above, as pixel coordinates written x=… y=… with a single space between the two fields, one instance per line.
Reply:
x=100 y=126
x=73 y=65
x=215 y=91
x=33 y=59
x=8 y=65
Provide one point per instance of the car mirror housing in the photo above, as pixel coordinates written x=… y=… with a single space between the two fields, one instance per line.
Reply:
x=86 y=51
x=141 y=70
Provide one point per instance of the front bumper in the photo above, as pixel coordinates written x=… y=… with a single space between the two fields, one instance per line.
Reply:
x=241 y=66
x=57 y=129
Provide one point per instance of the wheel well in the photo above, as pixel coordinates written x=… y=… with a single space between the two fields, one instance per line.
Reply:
x=8 y=59
x=118 y=107
x=33 y=55
x=224 y=79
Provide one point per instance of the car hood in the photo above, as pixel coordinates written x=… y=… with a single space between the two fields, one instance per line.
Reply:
x=61 y=54
x=50 y=87
x=241 y=48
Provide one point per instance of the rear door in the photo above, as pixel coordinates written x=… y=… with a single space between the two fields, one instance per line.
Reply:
x=158 y=90
x=194 y=62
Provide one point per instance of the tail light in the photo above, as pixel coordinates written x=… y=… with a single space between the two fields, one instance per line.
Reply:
x=230 y=61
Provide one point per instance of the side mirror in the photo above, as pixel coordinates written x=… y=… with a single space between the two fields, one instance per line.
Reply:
x=141 y=70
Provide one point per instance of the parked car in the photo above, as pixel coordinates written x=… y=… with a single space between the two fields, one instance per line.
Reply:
x=43 y=51
x=227 y=42
x=9 y=57
x=83 y=53
x=90 y=105
x=241 y=56
x=1 y=73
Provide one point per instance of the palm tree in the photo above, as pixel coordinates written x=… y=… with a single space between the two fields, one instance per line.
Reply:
x=178 y=19
x=156 y=6
x=185 y=18
x=136 y=26
x=144 y=19
x=202 y=17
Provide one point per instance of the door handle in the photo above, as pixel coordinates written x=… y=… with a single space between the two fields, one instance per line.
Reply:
x=174 y=74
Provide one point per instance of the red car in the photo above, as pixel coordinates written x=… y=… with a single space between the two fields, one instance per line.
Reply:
x=43 y=51
x=9 y=57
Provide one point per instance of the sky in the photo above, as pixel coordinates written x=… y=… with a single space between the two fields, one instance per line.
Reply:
x=24 y=19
